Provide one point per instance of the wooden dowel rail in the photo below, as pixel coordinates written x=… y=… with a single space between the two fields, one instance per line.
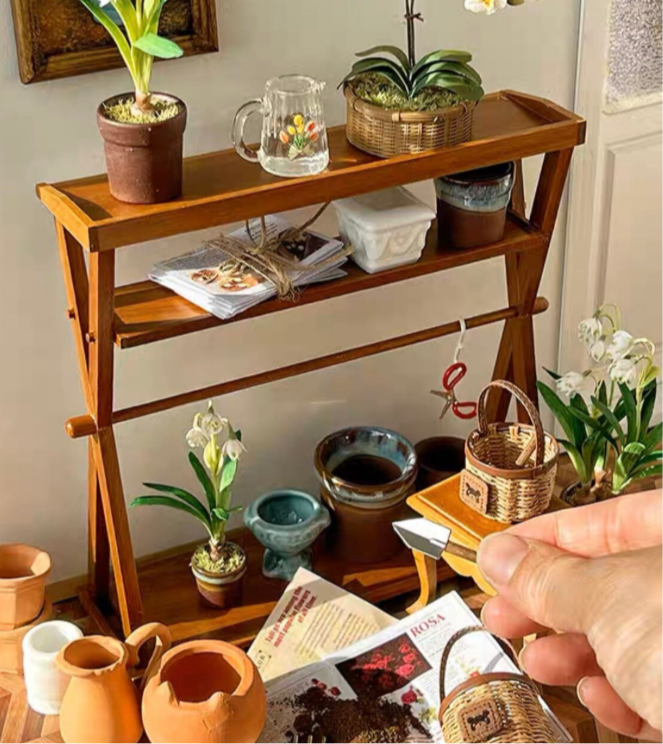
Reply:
x=85 y=426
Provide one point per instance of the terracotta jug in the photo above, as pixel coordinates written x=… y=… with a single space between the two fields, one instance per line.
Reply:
x=205 y=691
x=101 y=703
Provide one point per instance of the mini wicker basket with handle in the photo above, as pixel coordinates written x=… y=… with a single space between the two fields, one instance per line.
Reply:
x=492 y=707
x=387 y=133
x=510 y=468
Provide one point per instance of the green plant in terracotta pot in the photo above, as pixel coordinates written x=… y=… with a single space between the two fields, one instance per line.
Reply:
x=143 y=131
x=218 y=565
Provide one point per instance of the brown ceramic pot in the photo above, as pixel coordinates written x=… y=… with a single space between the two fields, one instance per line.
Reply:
x=101 y=703
x=23 y=572
x=360 y=535
x=472 y=206
x=11 y=642
x=144 y=161
x=205 y=691
x=366 y=473
x=439 y=459
x=220 y=590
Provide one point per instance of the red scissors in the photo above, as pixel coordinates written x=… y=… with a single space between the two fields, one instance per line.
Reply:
x=452 y=377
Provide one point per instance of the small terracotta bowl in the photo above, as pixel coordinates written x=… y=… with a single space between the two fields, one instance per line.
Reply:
x=11 y=642
x=23 y=572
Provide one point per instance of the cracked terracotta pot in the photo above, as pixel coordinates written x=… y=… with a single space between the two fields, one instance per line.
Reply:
x=205 y=691
x=23 y=572
x=101 y=703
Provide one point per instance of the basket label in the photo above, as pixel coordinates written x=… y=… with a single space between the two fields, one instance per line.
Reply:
x=479 y=720
x=474 y=492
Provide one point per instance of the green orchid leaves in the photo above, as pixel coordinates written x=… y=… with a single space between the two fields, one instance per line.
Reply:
x=445 y=69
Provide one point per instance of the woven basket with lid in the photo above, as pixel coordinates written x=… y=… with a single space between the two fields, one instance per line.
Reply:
x=387 y=133
x=492 y=707
x=494 y=482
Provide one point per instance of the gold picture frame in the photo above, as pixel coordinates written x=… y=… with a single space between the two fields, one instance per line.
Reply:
x=60 y=38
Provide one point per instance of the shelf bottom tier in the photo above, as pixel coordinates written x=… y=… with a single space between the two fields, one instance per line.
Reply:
x=170 y=596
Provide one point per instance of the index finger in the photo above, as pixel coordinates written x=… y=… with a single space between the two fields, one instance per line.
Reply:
x=624 y=523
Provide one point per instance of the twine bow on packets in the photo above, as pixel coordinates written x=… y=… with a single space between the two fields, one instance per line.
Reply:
x=270 y=258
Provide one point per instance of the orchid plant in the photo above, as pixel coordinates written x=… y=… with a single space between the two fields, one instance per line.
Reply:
x=216 y=476
x=138 y=40
x=490 y=6
x=610 y=405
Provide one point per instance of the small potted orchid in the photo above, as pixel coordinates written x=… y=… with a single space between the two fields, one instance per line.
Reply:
x=218 y=565
x=606 y=411
x=143 y=131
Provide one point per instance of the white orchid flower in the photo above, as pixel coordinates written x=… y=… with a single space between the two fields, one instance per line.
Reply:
x=597 y=350
x=590 y=330
x=196 y=437
x=485 y=6
x=621 y=344
x=233 y=449
x=575 y=382
x=624 y=371
x=211 y=423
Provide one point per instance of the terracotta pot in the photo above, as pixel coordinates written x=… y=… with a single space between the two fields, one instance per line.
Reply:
x=439 y=458
x=144 y=161
x=205 y=691
x=367 y=497
x=23 y=572
x=11 y=642
x=223 y=590
x=101 y=703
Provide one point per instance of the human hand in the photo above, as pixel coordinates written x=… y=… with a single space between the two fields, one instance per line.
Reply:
x=594 y=575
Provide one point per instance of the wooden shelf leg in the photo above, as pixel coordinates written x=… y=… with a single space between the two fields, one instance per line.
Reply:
x=78 y=292
x=427 y=570
x=516 y=358
x=104 y=449
x=98 y=546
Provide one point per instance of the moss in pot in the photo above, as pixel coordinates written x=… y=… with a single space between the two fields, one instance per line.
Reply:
x=217 y=565
x=143 y=131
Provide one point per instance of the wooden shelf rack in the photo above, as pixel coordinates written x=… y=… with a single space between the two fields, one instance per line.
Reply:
x=220 y=188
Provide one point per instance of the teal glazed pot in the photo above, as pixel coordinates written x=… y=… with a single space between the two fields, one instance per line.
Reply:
x=287 y=523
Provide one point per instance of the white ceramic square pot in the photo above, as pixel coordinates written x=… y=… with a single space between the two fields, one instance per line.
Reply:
x=387 y=228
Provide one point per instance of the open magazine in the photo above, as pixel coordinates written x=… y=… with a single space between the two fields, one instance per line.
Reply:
x=386 y=687
x=211 y=279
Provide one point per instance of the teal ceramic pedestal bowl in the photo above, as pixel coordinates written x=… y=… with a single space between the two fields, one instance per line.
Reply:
x=287 y=523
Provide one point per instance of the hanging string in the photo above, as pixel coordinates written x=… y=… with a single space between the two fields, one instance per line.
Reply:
x=461 y=340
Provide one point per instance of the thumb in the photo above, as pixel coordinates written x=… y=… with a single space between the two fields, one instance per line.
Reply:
x=553 y=588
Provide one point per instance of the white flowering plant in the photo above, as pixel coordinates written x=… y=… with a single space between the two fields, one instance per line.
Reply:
x=610 y=405
x=216 y=474
x=490 y=6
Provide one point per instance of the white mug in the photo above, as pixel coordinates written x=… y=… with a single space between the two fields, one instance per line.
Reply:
x=45 y=684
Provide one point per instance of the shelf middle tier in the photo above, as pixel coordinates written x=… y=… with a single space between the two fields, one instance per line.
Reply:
x=147 y=312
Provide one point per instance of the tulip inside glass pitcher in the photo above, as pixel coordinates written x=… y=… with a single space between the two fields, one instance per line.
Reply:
x=294 y=136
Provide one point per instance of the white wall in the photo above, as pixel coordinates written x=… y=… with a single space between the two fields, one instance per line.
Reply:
x=49 y=134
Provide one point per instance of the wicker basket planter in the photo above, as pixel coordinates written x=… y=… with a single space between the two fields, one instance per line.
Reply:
x=387 y=133
x=496 y=482
x=493 y=707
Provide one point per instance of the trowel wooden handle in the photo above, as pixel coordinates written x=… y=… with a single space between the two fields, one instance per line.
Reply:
x=460 y=551
x=526 y=453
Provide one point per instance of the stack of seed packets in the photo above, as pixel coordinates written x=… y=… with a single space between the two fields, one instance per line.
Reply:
x=212 y=279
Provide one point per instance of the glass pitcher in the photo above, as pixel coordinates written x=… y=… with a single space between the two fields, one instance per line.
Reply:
x=294 y=137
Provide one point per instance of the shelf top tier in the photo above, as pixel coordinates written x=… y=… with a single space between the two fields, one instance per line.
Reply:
x=220 y=187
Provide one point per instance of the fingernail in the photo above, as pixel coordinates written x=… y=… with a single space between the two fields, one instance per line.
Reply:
x=579 y=692
x=499 y=557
